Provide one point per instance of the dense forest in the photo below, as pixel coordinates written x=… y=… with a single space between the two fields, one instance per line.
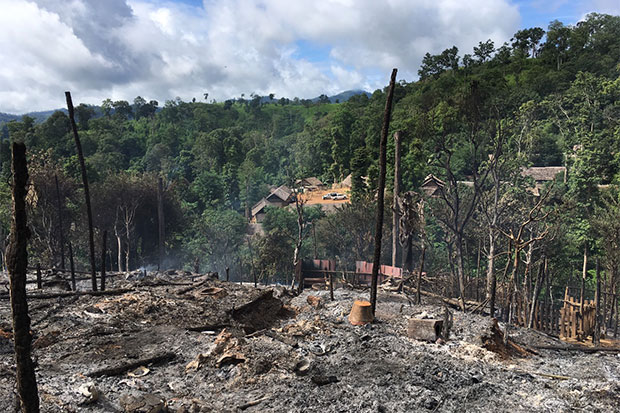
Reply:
x=546 y=98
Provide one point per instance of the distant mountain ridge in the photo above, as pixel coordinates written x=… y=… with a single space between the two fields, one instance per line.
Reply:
x=346 y=95
x=41 y=116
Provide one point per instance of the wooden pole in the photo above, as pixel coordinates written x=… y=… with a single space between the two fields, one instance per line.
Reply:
x=478 y=270
x=227 y=274
x=160 y=222
x=314 y=238
x=419 y=282
x=104 y=239
x=596 y=336
x=60 y=228
x=605 y=294
x=17 y=264
x=73 y=286
x=380 y=193
x=91 y=236
x=252 y=263
x=331 y=286
x=540 y=279
x=395 y=212
x=584 y=273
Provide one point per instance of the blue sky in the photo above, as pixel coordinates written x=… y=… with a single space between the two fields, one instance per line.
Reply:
x=163 y=49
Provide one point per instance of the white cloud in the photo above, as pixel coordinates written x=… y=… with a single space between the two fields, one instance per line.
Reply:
x=159 y=49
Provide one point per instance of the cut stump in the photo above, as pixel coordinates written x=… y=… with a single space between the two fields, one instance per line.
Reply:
x=425 y=330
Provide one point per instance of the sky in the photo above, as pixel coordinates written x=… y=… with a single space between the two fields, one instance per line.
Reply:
x=163 y=49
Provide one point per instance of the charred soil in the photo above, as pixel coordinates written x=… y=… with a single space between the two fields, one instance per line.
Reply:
x=171 y=343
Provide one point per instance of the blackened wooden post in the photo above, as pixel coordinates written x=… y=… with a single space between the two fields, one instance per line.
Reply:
x=380 y=193
x=395 y=212
x=104 y=239
x=160 y=222
x=227 y=274
x=478 y=271
x=331 y=286
x=91 y=236
x=39 y=282
x=419 y=283
x=72 y=266
x=605 y=295
x=596 y=336
x=252 y=263
x=17 y=264
x=60 y=229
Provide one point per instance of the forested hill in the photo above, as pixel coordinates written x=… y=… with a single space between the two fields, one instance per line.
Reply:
x=551 y=95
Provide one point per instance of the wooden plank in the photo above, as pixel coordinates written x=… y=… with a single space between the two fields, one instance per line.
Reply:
x=574 y=323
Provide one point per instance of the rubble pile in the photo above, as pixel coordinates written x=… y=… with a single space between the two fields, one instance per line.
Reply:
x=181 y=343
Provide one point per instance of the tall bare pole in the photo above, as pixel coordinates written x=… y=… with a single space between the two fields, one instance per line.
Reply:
x=397 y=137
x=381 y=192
x=72 y=266
x=60 y=231
x=596 y=337
x=89 y=213
x=104 y=250
x=584 y=273
x=17 y=264
x=160 y=221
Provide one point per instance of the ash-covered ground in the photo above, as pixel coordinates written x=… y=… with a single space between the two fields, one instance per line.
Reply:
x=180 y=344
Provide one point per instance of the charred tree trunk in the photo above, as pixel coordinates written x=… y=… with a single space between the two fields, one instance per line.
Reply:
x=395 y=214
x=72 y=266
x=17 y=264
x=128 y=238
x=39 y=281
x=478 y=270
x=104 y=240
x=605 y=293
x=60 y=226
x=460 y=270
x=380 y=193
x=91 y=236
x=160 y=222
x=491 y=280
x=584 y=273
x=252 y=263
x=119 y=246
x=540 y=279
x=407 y=254
x=504 y=294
